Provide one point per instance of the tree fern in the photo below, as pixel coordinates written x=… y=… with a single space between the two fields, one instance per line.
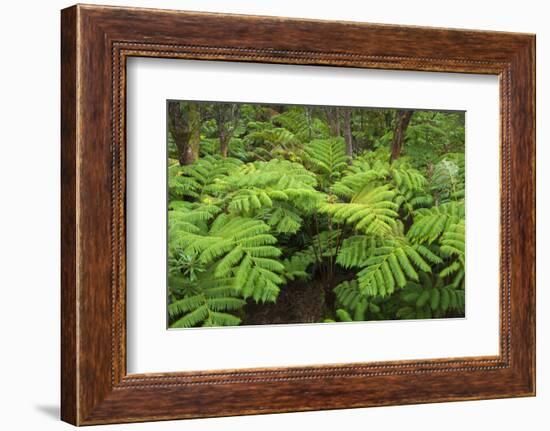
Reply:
x=195 y=180
x=275 y=137
x=371 y=211
x=411 y=190
x=343 y=315
x=431 y=300
x=303 y=124
x=430 y=223
x=241 y=248
x=355 y=251
x=408 y=184
x=248 y=201
x=188 y=217
x=453 y=247
x=327 y=157
x=355 y=303
x=215 y=304
x=299 y=122
x=391 y=265
x=408 y=179
x=296 y=266
x=284 y=219
x=279 y=192
x=448 y=180
x=357 y=178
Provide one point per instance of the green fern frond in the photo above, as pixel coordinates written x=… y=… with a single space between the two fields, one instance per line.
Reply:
x=421 y=201
x=296 y=267
x=180 y=186
x=299 y=122
x=355 y=251
x=274 y=137
x=216 y=318
x=351 y=184
x=430 y=223
x=357 y=305
x=327 y=157
x=427 y=254
x=343 y=315
x=348 y=294
x=408 y=180
x=284 y=219
x=453 y=241
x=278 y=190
x=432 y=299
x=448 y=180
x=242 y=248
x=359 y=175
x=246 y=201
x=187 y=218
x=389 y=267
x=372 y=212
x=209 y=307
x=453 y=246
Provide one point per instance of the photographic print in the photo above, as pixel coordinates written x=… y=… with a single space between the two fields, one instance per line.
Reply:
x=288 y=214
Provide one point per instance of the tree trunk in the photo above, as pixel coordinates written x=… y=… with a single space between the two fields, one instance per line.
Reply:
x=333 y=118
x=308 y=117
x=402 y=120
x=227 y=118
x=195 y=139
x=224 y=142
x=347 y=132
x=184 y=122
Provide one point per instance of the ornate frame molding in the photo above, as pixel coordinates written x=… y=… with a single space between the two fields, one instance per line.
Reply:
x=96 y=41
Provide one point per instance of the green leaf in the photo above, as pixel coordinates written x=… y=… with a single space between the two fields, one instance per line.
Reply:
x=445 y=300
x=434 y=298
x=423 y=298
x=343 y=315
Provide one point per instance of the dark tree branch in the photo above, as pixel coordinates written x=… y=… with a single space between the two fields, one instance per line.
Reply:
x=184 y=122
x=227 y=118
x=347 y=132
x=402 y=120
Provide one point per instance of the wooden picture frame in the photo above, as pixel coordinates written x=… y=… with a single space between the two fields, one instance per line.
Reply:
x=95 y=43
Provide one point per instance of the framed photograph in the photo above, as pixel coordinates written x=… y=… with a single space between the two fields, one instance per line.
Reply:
x=264 y=214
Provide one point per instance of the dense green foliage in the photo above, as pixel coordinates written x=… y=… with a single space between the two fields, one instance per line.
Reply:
x=290 y=207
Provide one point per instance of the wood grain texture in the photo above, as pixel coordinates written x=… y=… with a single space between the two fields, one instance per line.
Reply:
x=96 y=41
x=69 y=397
